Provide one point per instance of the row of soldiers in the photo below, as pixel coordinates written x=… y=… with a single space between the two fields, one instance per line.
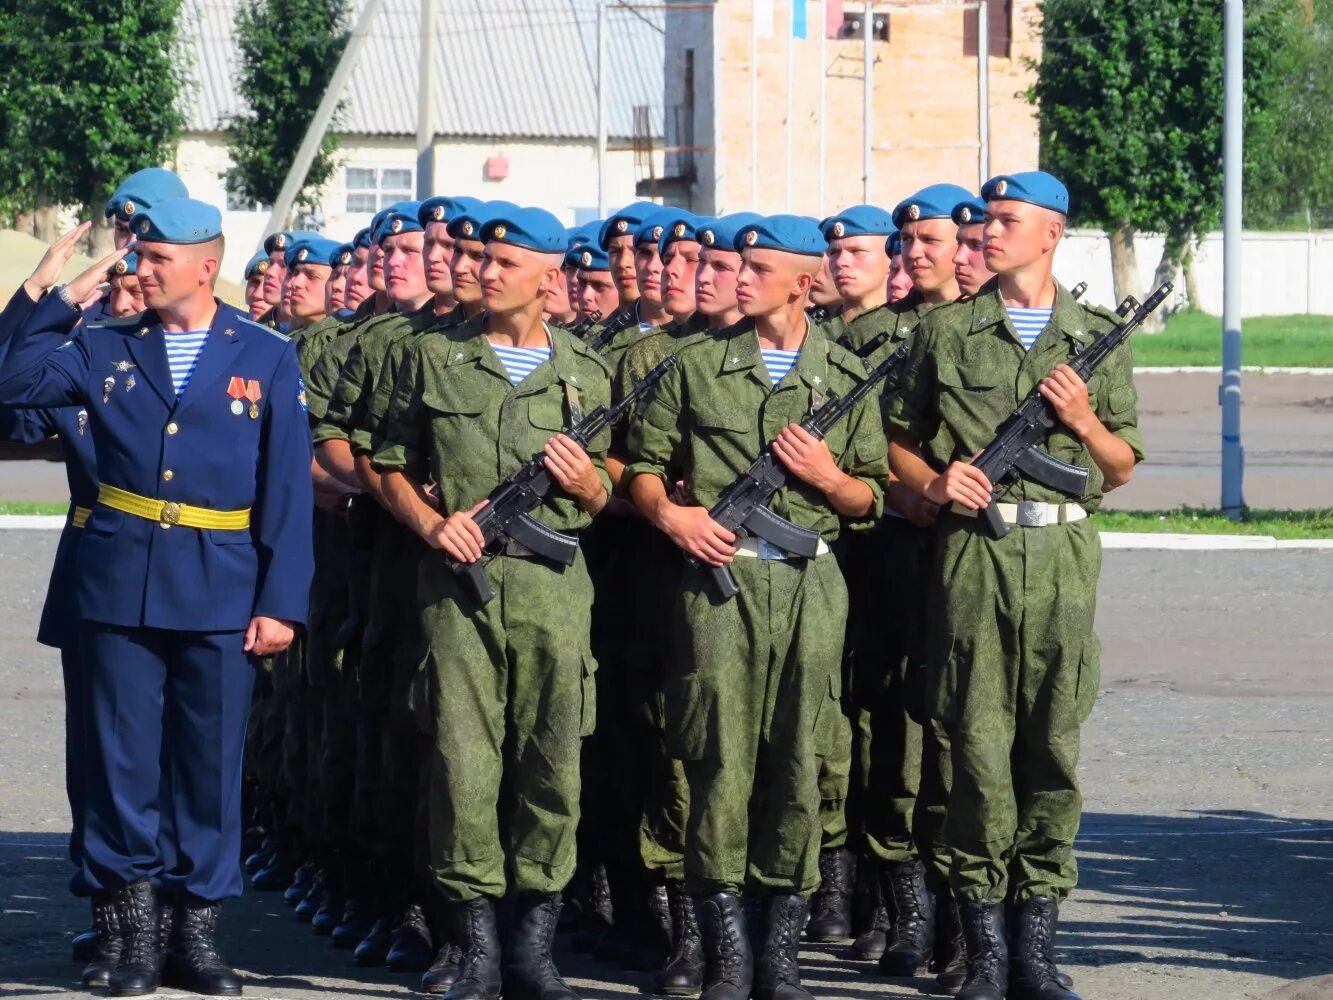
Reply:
x=875 y=740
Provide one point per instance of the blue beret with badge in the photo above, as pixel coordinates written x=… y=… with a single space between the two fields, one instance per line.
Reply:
x=444 y=207
x=129 y=264
x=591 y=257
x=467 y=225
x=797 y=234
x=970 y=211
x=343 y=255
x=530 y=228
x=279 y=242
x=626 y=221
x=256 y=266
x=1036 y=187
x=721 y=233
x=178 y=220
x=859 y=220
x=144 y=189
x=683 y=228
x=361 y=240
x=586 y=233
x=319 y=250
x=402 y=217
x=934 y=202
x=654 y=224
x=375 y=221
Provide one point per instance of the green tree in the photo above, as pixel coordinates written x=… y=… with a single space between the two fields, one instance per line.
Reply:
x=89 y=93
x=1129 y=97
x=289 y=50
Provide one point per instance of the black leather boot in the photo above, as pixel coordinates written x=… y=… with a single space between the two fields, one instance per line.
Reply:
x=870 y=917
x=109 y=941
x=373 y=949
x=599 y=916
x=831 y=905
x=477 y=976
x=912 y=910
x=728 y=958
x=683 y=974
x=950 y=961
x=277 y=874
x=260 y=858
x=302 y=880
x=139 y=970
x=530 y=973
x=193 y=962
x=84 y=944
x=313 y=899
x=642 y=933
x=357 y=918
x=1032 y=974
x=777 y=973
x=413 y=945
x=987 y=951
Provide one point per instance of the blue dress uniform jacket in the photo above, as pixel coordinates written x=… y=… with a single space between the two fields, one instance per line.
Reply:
x=196 y=450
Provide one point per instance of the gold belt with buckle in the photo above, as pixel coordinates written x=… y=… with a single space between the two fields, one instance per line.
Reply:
x=168 y=512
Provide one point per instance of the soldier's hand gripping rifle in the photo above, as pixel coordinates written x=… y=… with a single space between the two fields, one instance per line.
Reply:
x=1015 y=446
x=743 y=506
x=506 y=514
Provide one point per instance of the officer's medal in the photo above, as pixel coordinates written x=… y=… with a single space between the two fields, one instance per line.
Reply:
x=83 y=422
x=130 y=383
x=107 y=386
x=253 y=394
x=236 y=390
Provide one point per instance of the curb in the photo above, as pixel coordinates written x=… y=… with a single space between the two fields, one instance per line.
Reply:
x=1245 y=369
x=1110 y=539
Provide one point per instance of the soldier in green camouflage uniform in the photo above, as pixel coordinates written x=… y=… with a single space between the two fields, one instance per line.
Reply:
x=514 y=679
x=1014 y=662
x=744 y=700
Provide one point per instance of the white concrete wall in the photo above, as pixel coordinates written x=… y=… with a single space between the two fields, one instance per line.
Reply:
x=1281 y=273
x=560 y=177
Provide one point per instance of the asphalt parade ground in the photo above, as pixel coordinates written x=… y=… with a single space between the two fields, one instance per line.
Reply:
x=1207 y=842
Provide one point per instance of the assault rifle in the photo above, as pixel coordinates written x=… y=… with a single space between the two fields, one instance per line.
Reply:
x=505 y=518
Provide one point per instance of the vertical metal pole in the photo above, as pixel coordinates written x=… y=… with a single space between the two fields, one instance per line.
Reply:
x=754 y=105
x=983 y=92
x=823 y=98
x=1233 y=454
x=601 y=110
x=426 y=104
x=791 y=61
x=868 y=99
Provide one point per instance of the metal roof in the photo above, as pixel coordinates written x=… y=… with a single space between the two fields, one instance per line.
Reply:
x=504 y=68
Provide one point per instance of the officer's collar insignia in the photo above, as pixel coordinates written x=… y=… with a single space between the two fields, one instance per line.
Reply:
x=142 y=330
x=229 y=332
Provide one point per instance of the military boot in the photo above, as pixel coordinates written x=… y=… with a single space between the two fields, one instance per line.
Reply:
x=109 y=942
x=193 y=962
x=728 y=958
x=531 y=973
x=277 y=873
x=261 y=857
x=870 y=917
x=777 y=973
x=912 y=910
x=987 y=951
x=950 y=960
x=139 y=970
x=831 y=905
x=312 y=900
x=599 y=915
x=683 y=974
x=302 y=880
x=413 y=946
x=373 y=949
x=472 y=925
x=1033 y=975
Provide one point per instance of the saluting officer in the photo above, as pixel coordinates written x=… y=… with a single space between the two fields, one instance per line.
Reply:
x=196 y=556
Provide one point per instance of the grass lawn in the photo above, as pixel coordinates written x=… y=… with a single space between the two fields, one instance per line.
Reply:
x=1281 y=524
x=23 y=507
x=1193 y=338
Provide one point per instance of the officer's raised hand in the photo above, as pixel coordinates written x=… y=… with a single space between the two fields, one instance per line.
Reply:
x=86 y=288
x=57 y=255
x=458 y=535
x=267 y=636
x=574 y=471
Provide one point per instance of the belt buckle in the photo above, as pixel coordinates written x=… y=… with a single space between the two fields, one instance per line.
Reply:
x=1032 y=513
x=770 y=552
x=171 y=513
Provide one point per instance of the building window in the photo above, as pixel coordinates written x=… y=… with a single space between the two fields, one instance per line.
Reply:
x=244 y=203
x=371 y=188
x=999 y=15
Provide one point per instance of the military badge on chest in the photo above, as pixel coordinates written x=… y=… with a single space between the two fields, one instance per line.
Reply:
x=240 y=389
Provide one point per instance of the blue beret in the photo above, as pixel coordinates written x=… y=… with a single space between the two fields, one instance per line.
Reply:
x=592 y=257
x=626 y=221
x=655 y=223
x=466 y=225
x=144 y=189
x=375 y=221
x=969 y=211
x=788 y=233
x=444 y=207
x=894 y=244
x=934 y=202
x=683 y=228
x=129 y=264
x=586 y=233
x=343 y=255
x=256 y=266
x=362 y=239
x=530 y=228
x=178 y=220
x=280 y=241
x=402 y=217
x=1034 y=186
x=859 y=220
x=319 y=250
x=721 y=233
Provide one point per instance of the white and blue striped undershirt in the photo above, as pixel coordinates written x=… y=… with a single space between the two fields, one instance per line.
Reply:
x=520 y=362
x=778 y=363
x=183 y=354
x=1028 y=323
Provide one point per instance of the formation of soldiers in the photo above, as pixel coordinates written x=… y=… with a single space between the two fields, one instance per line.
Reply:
x=852 y=717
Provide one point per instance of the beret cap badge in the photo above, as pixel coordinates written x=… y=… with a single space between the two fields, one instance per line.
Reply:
x=500 y=231
x=751 y=237
x=396 y=226
x=838 y=229
x=914 y=212
x=129 y=208
x=1001 y=187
